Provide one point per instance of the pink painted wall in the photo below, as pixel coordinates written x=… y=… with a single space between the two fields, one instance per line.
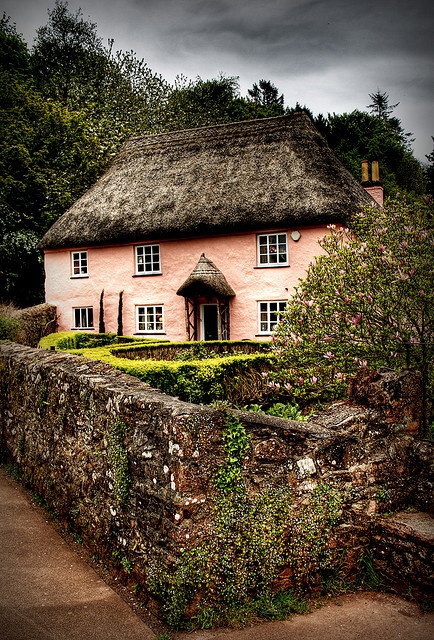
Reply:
x=112 y=269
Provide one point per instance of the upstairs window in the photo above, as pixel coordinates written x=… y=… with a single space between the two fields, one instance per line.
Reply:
x=273 y=250
x=269 y=315
x=150 y=319
x=83 y=318
x=79 y=264
x=148 y=259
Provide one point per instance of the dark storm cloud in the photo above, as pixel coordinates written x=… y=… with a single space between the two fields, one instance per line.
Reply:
x=328 y=54
x=314 y=29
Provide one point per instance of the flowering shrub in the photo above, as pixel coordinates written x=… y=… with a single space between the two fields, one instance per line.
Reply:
x=368 y=300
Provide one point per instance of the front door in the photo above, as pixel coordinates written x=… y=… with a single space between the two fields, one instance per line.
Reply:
x=209 y=322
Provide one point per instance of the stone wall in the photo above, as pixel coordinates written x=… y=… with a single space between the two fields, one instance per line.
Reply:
x=131 y=470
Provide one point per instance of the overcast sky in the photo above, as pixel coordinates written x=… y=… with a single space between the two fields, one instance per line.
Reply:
x=326 y=54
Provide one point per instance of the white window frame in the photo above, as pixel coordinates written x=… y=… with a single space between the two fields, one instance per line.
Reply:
x=80 y=314
x=147 y=318
x=145 y=261
x=267 y=315
x=273 y=249
x=79 y=264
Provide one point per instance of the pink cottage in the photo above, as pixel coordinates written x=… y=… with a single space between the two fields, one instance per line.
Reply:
x=199 y=234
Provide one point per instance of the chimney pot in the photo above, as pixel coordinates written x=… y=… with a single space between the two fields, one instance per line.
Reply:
x=365 y=171
x=375 y=171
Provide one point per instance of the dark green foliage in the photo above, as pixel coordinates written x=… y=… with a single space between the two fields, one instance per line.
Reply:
x=101 y=327
x=266 y=95
x=120 y=316
x=429 y=172
x=21 y=269
x=65 y=54
x=360 y=136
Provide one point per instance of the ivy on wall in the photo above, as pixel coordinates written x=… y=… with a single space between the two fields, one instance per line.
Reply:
x=230 y=573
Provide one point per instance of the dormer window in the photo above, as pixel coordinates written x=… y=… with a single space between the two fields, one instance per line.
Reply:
x=273 y=250
x=148 y=259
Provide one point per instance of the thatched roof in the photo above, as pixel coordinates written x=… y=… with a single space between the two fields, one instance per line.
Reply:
x=258 y=174
x=206 y=279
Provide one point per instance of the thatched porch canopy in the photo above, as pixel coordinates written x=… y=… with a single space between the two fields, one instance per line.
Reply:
x=258 y=174
x=206 y=279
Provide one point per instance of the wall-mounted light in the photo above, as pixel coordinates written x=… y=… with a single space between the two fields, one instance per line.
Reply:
x=296 y=235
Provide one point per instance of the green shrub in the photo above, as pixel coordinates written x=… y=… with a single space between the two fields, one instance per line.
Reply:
x=236 y=378
x=281 y=410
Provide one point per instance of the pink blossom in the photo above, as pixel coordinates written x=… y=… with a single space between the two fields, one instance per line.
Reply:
x=327 y=338
x=287 y=386
x=328 y=355
x=382 y=249
x=339 y=376
x=421 y=292
x=265 y=374
x=301 y=381
x=404 y=244
x=368 y=298
x=357 y=318
x=314 y=379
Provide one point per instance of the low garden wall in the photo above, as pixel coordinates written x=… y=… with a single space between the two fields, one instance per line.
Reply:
x=132 y=471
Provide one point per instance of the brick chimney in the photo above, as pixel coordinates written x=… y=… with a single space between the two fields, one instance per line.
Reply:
x=373 y=185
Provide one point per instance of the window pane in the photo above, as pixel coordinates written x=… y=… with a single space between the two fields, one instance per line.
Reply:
x=150 y=318
x=79 y=263
x=268 y=315
x=148 y=259
x=83 y=318
x=273 y=249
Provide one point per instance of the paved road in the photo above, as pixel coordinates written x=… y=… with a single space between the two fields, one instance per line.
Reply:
x=48 y=592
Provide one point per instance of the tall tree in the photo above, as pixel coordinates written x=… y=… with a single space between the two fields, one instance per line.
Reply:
x=429 y=172
x=67 y=56
x=21 y=269
x=203 y=102
x=359 y=135
x=367 y=300
x=380 y=106
x=266 y=95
